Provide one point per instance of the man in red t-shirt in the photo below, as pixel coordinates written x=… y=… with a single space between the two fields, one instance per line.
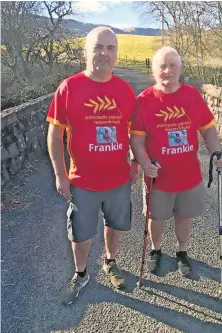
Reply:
x=165 y=128
x=94 y=107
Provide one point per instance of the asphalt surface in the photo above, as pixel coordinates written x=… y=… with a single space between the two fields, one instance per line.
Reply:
x=37 y=263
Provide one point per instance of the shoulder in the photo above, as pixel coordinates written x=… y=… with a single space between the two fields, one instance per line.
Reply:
x=189 y=89
x=147 y=93
x=74 y=79
x=70 y=81
x=117 y=81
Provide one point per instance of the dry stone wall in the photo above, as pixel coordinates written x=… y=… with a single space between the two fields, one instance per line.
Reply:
x=23 y=135
x=213 y=97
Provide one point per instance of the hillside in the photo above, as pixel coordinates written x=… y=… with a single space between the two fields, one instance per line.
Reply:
x=74 y=27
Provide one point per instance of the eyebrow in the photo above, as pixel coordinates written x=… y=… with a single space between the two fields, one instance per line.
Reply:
x=107 y=45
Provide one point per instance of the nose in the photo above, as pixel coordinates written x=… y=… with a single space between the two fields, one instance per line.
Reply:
x=166 y=70
x=104 y=51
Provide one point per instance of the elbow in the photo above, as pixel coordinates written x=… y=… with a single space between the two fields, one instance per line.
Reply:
x=132 y=141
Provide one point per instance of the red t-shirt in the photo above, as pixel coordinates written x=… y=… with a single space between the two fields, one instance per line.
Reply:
x=96 y=117
x=171 y=123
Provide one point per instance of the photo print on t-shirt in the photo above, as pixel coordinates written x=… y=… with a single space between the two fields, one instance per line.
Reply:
x=177 y=138
x=106 y=134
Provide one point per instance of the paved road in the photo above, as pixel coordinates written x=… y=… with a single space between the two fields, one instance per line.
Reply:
x=37 y=262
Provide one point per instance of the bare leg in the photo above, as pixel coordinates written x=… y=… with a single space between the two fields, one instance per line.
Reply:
x=80 y=253
x=111 y=238
x=182 y=230
x=156 y=230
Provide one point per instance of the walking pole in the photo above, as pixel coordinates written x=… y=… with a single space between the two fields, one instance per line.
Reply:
x=219 y=155
x=152 y=180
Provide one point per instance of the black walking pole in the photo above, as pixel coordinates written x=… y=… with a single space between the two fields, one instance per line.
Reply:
x=219 y=155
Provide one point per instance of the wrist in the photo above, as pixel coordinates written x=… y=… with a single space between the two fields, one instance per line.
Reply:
x=61 y=176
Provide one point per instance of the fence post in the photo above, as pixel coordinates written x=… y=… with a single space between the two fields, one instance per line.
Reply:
x=147 y=63
x=126 y=58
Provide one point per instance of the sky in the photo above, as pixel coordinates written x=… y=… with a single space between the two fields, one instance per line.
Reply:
x=120 y=14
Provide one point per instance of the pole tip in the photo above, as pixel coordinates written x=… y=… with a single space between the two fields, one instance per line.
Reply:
x=138 y=284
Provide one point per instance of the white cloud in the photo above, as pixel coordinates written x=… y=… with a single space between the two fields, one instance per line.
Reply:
x=91 y=6
x=121 y=25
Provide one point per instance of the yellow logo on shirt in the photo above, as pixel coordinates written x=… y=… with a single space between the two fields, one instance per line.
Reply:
x=176 y=113
x=101 y=104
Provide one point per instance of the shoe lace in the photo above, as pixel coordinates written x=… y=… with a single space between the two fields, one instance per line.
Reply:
x=114 y=269
x=73 y=282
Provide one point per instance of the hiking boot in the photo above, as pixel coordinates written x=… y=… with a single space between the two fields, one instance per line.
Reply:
x=154 y=260
x=183 y=263
x=73 y=288
x=115 y=274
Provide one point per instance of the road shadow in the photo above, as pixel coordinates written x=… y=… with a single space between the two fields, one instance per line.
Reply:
x=199 y=269
x=176 y=319
x=37 y=263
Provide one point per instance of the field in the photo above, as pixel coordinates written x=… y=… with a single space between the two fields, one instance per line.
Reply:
x=134 y=50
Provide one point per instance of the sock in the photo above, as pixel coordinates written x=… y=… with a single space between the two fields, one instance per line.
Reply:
x=107 y=261
x=82 y=274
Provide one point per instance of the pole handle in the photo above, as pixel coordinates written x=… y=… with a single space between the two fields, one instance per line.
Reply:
x=219 y=155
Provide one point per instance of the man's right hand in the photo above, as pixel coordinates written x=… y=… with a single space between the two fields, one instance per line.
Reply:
x=63 y=187
x=151 y=170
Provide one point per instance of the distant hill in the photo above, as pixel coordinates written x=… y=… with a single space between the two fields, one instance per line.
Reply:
x=78 y=28
x=73 y=27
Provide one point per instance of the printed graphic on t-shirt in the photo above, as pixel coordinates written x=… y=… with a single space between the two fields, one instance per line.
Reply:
x=178 y=143
x=177 y=138
x=169 y=120
x=106 y=134
x=100 y=107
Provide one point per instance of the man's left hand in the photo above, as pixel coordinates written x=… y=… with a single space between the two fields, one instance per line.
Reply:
x=134 y=170
x=218 y=163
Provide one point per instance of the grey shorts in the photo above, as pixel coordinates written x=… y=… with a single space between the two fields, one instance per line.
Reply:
x=187 y=204
x=115 y=204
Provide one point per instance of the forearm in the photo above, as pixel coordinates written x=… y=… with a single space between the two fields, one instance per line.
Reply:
x=212 y=140
x=56 y=153
x=139 y=152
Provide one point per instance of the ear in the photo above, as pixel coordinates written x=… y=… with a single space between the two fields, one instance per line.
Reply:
x=116 y=57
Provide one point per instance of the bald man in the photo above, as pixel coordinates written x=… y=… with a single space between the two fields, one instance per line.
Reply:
x=94 y=107
x=165 y=127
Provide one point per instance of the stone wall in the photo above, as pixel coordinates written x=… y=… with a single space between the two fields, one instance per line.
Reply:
x=23 y=135
x=213 y=97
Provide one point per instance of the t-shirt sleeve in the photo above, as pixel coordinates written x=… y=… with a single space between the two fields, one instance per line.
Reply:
x=137 y=126
x=57 y=110
x=207 y=118
x=132 y=103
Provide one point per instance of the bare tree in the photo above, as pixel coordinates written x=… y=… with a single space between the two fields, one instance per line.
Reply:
x=194 y=29
x=37 y=50
x=17 y=26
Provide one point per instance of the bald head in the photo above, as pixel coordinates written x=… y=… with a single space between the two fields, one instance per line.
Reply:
x=101 y=30
x=166 y=67
x=101 y=50
x=162 y=53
